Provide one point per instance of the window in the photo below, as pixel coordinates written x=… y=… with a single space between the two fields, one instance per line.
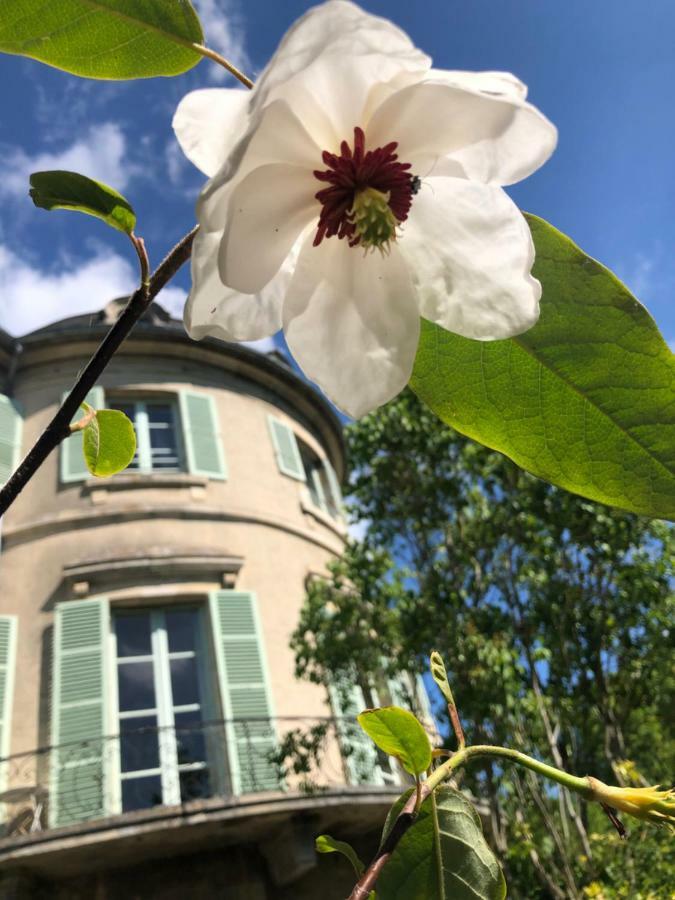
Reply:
x=157 y=427
x=161 y=694
x=175 y=433
x=296 y=459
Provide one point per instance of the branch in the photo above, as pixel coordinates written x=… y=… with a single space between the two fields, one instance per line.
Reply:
x=59 y=427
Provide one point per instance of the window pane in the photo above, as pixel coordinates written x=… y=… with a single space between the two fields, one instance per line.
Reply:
x=141 y=793
x=194 y=785
x=133 y=635
x=163 y=442
x=136 y=686
x=139 y=747
x=184 y=683
x=181 y=626
x=190 y=737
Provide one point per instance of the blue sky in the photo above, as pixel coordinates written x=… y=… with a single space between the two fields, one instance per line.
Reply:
x=603 y=71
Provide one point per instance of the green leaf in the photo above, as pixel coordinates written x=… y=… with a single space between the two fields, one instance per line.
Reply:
x=584 y=399
x=109 y=442
x=68 y=190
x=440 y=676
x=398 y=733
x=114 y=39
x=444 y=855
x=326 y=844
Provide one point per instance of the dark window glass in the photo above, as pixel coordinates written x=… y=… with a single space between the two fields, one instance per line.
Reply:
x=181 y=626
x=190 y=737
x=194 y=785
x=312 y=466
x=133 y=635
x=139 y=746
x=163 y=439
x=184 y=683
x=141 y=793
x=136 y=686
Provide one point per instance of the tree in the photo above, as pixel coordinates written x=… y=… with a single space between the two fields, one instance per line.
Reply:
x=552 y=613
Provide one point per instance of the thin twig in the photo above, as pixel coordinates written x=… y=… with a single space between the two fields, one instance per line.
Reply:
x=59 y=427
x=226 y=64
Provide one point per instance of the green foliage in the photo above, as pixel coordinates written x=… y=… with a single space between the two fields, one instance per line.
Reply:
x=584 y=399
x=553 y=615
x=443 y=855
x=397 y=732
x=68 y=190
x=326 y=844
x=109 y=442
x=112 y=39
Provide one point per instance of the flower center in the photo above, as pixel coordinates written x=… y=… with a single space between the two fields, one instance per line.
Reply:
x=369 y=194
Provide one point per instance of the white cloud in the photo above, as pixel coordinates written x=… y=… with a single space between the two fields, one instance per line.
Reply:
x=223 y=31
x=32 y=298
x=100 y=154
x=172 y=299
x=264 y=345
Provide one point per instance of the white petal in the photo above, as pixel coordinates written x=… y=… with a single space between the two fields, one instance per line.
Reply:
x=336 y=27
x=280 y=137
x=494 y=139
x=470 y=253
x=499 y=84
x=213 y=310
x=266 y=213
x=208 y=123
x=352 y=323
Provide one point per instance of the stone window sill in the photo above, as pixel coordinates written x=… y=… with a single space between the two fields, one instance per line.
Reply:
x=145 y=480
x=337 y=526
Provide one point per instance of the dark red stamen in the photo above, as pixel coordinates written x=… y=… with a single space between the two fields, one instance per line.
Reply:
x=353 y=171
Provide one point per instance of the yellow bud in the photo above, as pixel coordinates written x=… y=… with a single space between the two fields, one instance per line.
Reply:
x=648 y=803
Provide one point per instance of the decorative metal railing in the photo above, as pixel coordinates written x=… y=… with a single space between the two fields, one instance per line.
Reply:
x=142 y=768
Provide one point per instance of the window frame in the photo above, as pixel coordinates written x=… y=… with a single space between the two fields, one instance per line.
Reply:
x=142 y=428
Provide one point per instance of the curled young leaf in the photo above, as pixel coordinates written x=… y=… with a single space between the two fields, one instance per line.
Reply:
x=397 y=732
x=440 y=676
x=69 y=190
x=327 y=844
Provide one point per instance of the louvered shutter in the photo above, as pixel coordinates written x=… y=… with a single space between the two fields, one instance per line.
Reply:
x=401 y=692
x=79 y=708
x=334 y=485
x=245 y=692
x=359 y=752
x=201 y=434
x=11 y=425
x=73 y=466
x=8 y=628
x=286 y=449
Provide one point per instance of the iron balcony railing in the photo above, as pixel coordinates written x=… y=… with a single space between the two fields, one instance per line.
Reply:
x=146 y=767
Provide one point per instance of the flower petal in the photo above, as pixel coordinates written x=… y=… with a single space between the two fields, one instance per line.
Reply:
x=336 y=28
x=470 y=252
x=266 y=213
x=498 y=84
x=213 y=310
x=351 y=323
x=496 y=139
x=208 y=123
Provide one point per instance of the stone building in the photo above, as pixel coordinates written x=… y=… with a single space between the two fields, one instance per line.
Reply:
x=145 y=672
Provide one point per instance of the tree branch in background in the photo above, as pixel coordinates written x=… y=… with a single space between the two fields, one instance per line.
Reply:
x=59 y=427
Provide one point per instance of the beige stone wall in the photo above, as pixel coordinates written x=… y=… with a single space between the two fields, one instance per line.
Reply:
x=258 y=514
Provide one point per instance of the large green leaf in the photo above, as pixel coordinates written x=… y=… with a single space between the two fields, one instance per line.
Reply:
x=104 y=38
x=109 y=442
x=443 y=855
x=585 y=399
x=397 y=732
x=68 y=190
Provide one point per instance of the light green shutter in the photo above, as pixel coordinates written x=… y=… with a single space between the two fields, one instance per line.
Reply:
x=401 y=692
x=79 y=709
x=286 y=449
x=10 y=437
x=245 y=692
x=8 y=628
x=334 y=485
x=73 y=466
x=359 y=752
x=203 y=441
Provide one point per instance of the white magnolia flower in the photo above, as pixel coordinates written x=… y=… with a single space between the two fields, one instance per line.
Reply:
x=349 y=144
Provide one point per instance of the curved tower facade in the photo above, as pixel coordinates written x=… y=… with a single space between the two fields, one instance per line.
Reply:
x=145 y=672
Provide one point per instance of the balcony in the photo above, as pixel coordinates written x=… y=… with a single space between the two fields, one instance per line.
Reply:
x=145 y=791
